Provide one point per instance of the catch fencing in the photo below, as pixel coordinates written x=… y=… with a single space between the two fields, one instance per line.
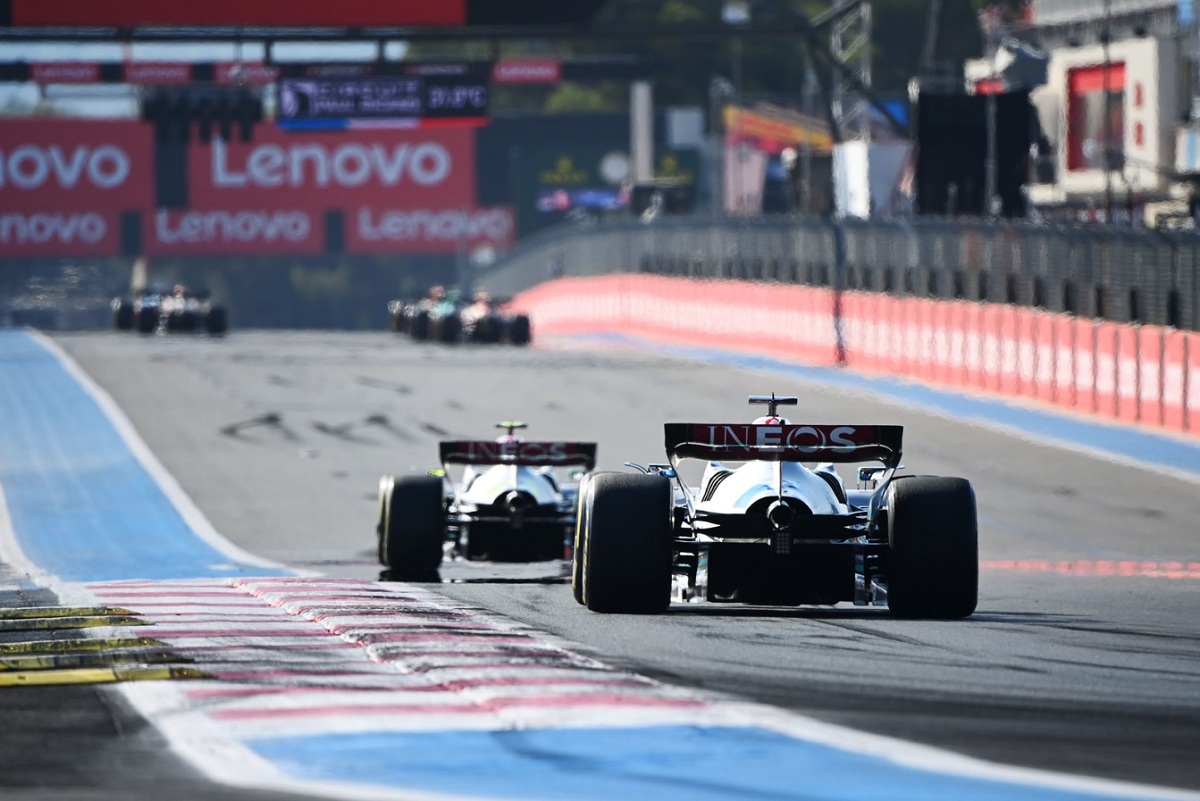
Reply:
x=1124 y=275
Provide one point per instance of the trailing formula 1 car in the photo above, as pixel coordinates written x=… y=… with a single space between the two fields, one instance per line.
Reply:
x=158 y=311
x=509 y=504
x=440 y=317
x=773 y=530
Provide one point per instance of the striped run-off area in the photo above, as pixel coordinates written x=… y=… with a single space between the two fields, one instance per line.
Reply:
x=350 y=684
x=294 y=655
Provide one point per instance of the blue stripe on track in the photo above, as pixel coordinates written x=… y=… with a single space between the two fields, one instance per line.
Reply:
x=82 y=506
x=1148 y=447
x=661 y=763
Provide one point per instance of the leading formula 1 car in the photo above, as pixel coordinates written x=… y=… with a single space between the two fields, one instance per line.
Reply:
x=509 y=504
x=773 y=530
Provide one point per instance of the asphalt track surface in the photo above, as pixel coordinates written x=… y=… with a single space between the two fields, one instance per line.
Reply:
x=280 y=439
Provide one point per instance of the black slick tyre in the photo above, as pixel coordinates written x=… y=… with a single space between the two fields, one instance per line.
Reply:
x=147 y=321
x=450 y=329
x=418 y=326
x=216 y=322
x=627 y=550
x=581 y=518
x=934 y=537
x=122 y=315
x=519 y=330
x=414 y=526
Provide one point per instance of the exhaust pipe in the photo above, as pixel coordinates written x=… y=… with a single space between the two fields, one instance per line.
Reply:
x=518 y=502
x=781 y=515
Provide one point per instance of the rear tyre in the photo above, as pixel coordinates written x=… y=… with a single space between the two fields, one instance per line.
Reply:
x=934 y=537
x=216 y=322
x=122 y=315
x=147 y=321
x=581 y=523
x=519 y=331
x=414 y=526
x=418 y=326
x=628 y=543
x=451 y=329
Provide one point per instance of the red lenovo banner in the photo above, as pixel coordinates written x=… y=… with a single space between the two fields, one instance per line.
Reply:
x=60 y=233
x=134 y=13
x=371 y=229
x=86 y=187
x=75 y=165
x=65 y=72
x=527 y=71
x=412 y=168
x=257 y=231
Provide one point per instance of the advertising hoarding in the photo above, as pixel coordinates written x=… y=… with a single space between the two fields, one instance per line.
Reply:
x=338 y=96
x=74 y=165
x=75 y=187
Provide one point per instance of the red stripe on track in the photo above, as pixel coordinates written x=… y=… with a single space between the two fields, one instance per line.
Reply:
x=482 y=707
x=1101 y=567
x=303 y=630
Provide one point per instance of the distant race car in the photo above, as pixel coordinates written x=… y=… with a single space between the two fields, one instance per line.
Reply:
x=509 y=504
x=440 y=317
x=159 y=310
x=774 y=531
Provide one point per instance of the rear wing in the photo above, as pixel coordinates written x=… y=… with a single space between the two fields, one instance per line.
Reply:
x=784 y=443
x=531 y=454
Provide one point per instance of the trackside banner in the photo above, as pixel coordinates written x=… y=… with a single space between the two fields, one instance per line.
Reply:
x=64 y=185
x=411 y=168
x=73 y=187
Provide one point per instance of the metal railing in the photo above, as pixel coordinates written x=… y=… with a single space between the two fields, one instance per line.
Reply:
x=1120 y=274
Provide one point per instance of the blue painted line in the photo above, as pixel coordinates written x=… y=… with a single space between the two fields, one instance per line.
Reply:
x=1116 y=440
x=660 y=763
x=82 y=506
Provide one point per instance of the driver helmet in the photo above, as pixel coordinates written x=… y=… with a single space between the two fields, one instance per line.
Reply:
x=509 y=439
x=770 y=420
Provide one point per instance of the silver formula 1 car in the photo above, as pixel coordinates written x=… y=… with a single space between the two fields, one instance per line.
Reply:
x=772 y=529
x=514 y=501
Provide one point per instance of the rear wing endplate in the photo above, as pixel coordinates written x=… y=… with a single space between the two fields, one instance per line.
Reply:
x=531 y=454
x=784 y=443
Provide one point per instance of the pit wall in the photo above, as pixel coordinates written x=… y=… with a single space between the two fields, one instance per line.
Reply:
x=1137 y=374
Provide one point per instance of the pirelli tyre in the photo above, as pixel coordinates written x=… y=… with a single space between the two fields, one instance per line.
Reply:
x=581 y=521
x=122 y=315
x=413 y=528
x=450 y=328
x=627 y=548
x=418 y=325
x=216 y=322
x=147 y=321
x=519 y=332
x=934 y=537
